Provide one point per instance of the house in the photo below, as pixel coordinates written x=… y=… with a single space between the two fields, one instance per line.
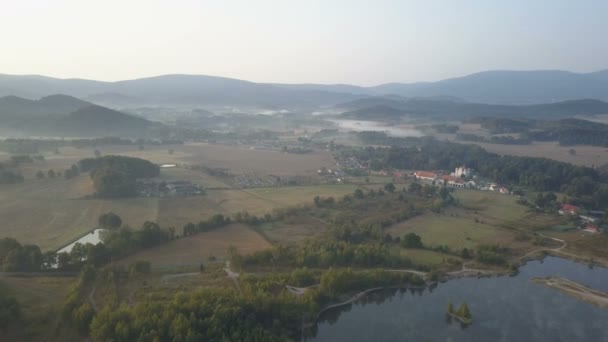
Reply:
x=568 y=209
x=425 y=175
x=503 y=190
x=453 y=181
x=591 y=229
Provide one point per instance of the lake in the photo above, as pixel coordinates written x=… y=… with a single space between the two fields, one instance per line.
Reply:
x=503 y=308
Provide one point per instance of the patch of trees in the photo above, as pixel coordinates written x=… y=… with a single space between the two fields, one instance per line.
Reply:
x=502 y=140
x=503 y=125
x=109 y=220
x=492 y=255
x=203 y=315
x=116 y=176
x=411 y=240
x=126 y=241
x=571 y=132
x=15 y=257
x=336 y=282
x=216 y=221
x=326 y=254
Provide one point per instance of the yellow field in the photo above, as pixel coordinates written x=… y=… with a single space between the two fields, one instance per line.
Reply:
x=50 y=212
x=195 y=249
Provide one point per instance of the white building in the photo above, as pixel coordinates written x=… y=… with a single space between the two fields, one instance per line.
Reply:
x=462 y=171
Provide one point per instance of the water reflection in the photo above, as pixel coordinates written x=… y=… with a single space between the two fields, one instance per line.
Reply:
x=508 y=308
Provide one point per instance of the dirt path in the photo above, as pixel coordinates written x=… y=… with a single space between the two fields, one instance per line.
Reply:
x=234 y=276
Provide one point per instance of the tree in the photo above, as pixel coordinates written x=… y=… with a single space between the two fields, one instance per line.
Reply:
x=141 y=267
x=51 y=174
x=109 y=220
x=188 y=229
x=40 y=174
x=171 y=151
x=464 y=312
x=450 y=307
x=572 y=152
x=359 y=194
x=465 y=254
x=389 y=187
x=412 y=240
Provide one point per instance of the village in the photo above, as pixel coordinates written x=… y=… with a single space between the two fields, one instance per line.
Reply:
x=169 y=189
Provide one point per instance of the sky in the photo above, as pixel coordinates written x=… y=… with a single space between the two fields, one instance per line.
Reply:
x=309 y=41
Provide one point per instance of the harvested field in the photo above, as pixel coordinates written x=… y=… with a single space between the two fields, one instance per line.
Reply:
x=195 y=249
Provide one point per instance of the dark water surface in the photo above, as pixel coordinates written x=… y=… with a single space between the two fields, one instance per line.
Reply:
x=503 y=308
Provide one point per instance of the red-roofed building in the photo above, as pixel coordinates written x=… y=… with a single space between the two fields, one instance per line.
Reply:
x=425 y=175
x=591 y=229
x=568 y=209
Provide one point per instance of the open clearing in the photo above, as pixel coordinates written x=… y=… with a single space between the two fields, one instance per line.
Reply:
x=195 y=249
x=483 y=218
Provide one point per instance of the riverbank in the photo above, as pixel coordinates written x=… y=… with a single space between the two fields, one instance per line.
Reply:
x=574 y=289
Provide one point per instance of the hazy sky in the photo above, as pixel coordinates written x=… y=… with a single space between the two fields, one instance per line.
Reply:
x=324 y=41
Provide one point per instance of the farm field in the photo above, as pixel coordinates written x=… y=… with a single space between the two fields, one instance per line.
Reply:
x=241 y=159
x=179 y=211
x=41 y=299
x=50 y=212
x=293 y=229
x=195 y=249
x=483 y=218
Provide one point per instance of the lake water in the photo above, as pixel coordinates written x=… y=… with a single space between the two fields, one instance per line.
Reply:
x=92 y=238
x=503 y=308
x=394 y=131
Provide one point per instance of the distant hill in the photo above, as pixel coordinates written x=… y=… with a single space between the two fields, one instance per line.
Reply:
x=65 y=115
x=510 y=87
x=492 y=87
x=171 y=90
x=366 y=109
x=15 y=107
x=100 y=120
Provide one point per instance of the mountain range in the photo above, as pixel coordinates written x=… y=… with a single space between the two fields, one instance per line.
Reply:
x=492 y=87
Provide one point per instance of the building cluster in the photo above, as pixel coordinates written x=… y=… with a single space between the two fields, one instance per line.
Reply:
x=462 y=177
x=589 y=219
x=169 y=189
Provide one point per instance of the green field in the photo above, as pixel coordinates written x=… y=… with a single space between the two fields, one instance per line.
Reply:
x=482 y=218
